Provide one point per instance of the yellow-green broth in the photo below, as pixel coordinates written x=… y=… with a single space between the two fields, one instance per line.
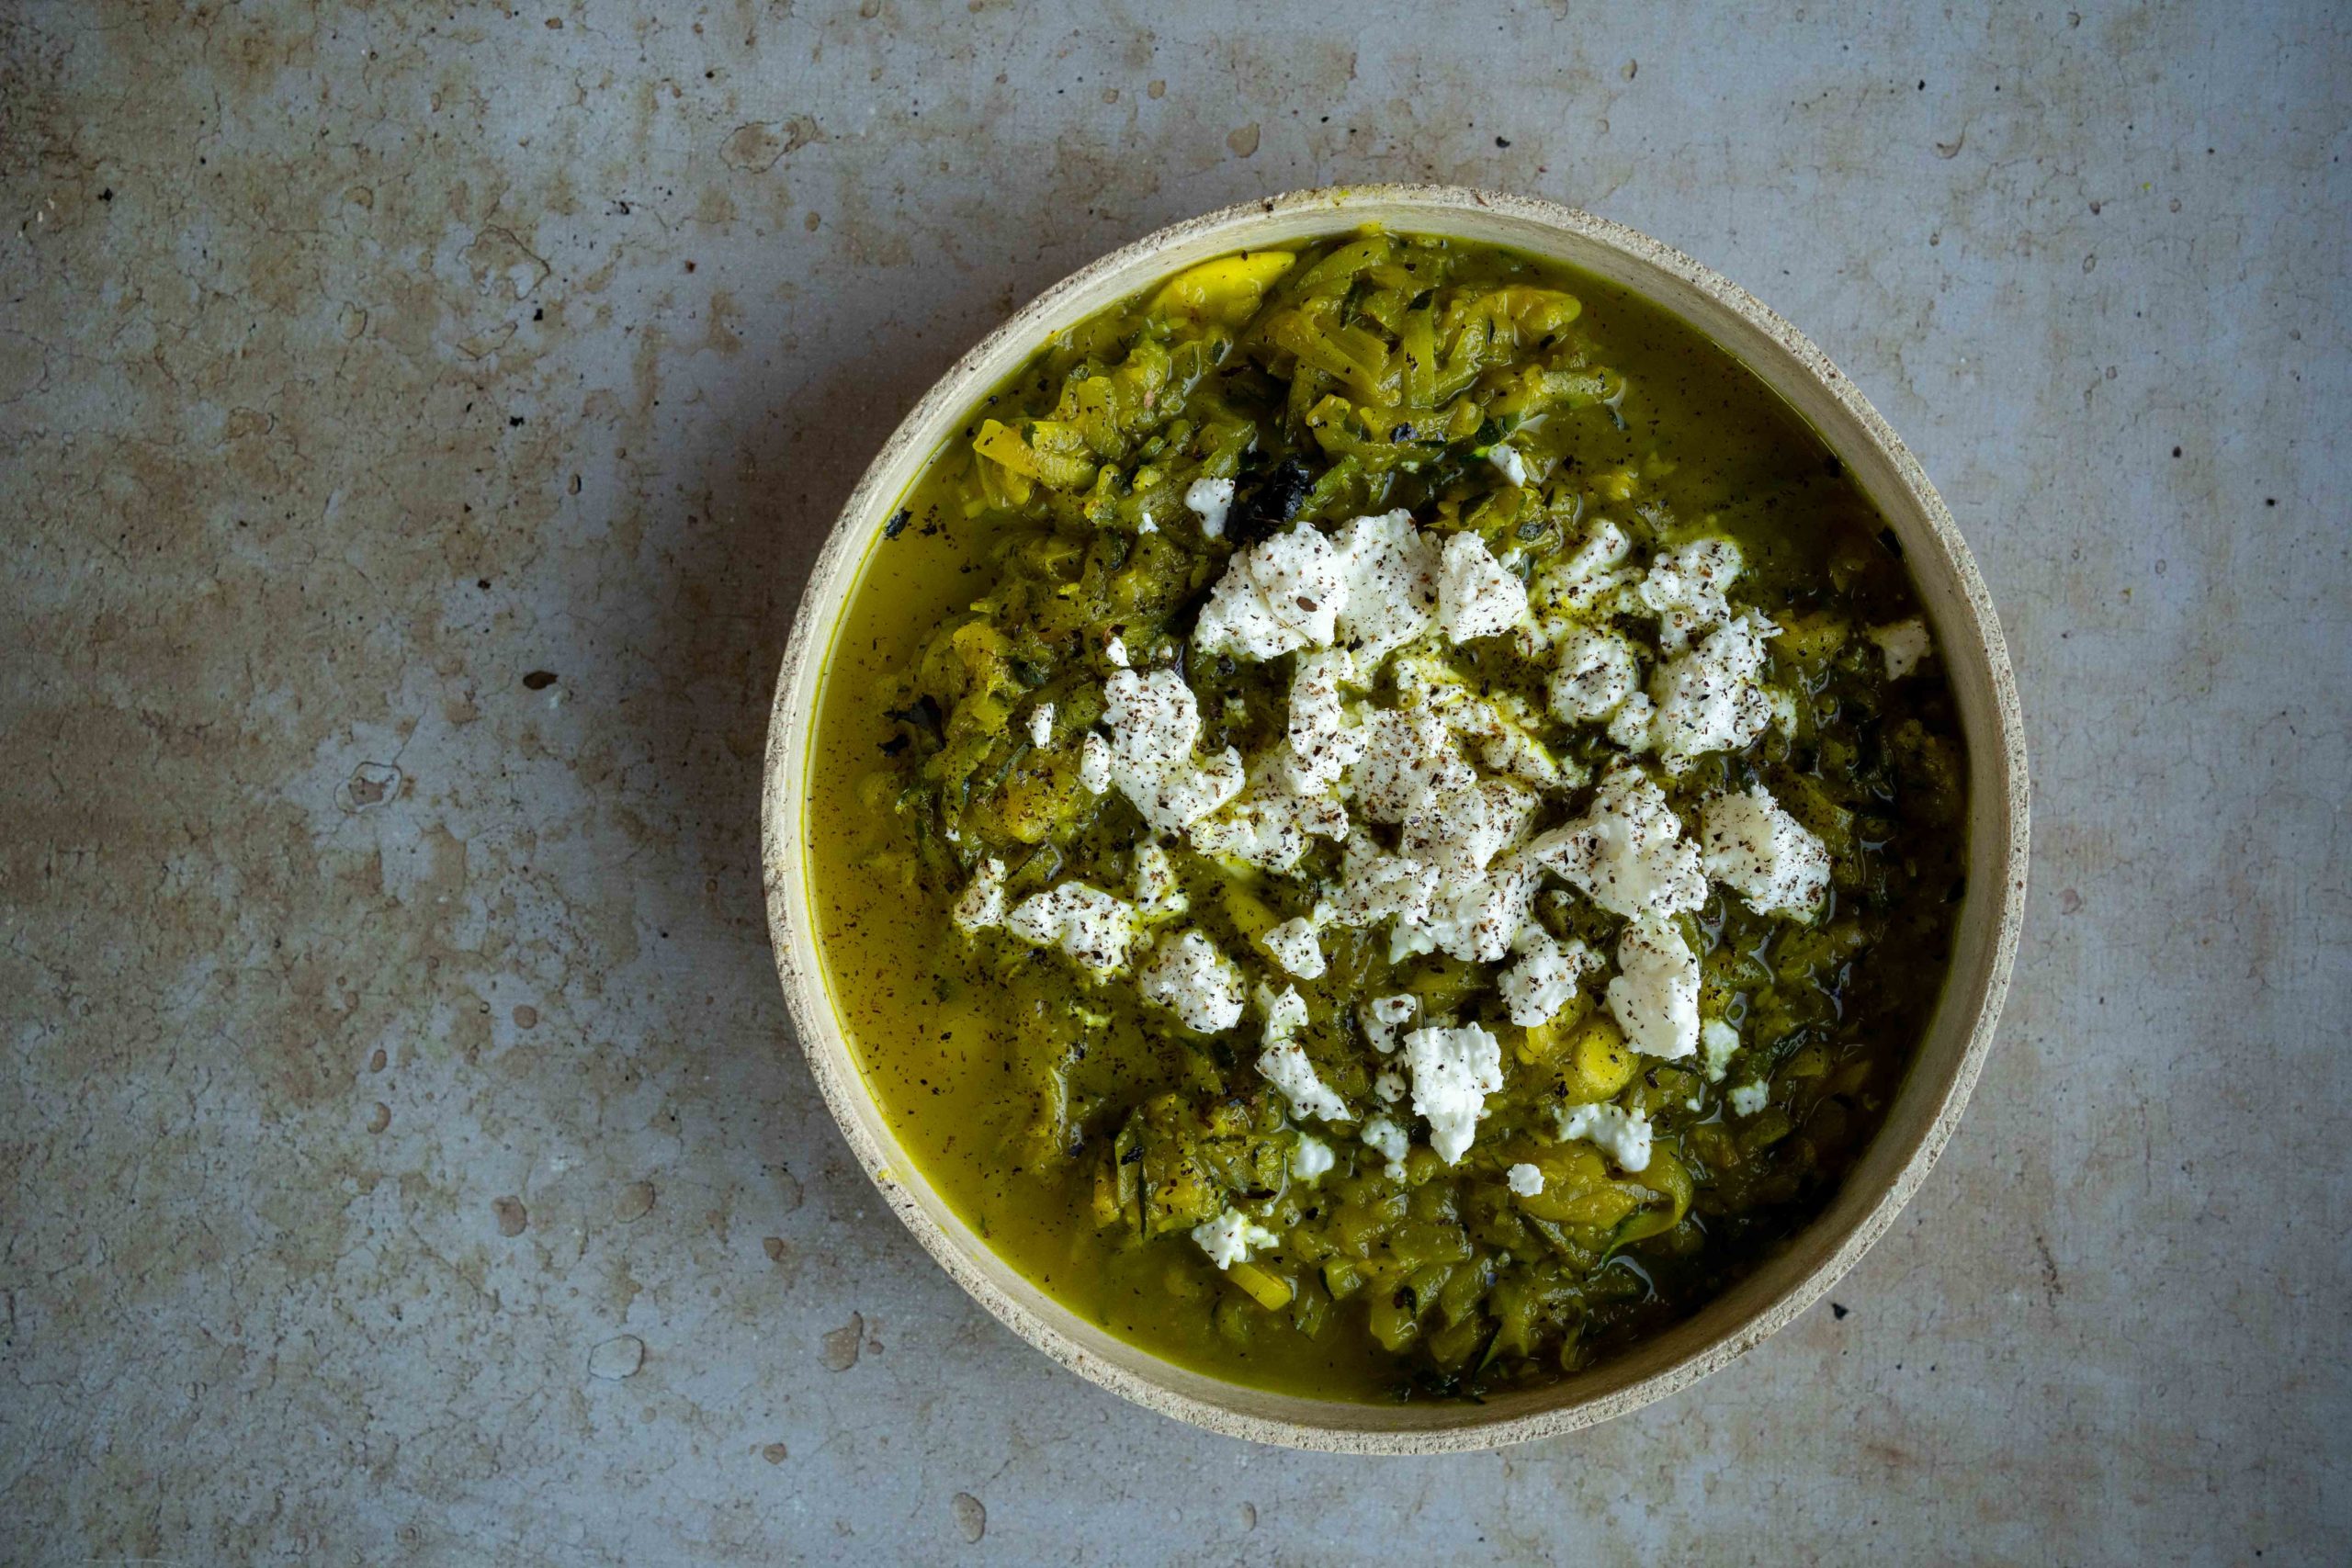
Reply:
x=1013 y=1080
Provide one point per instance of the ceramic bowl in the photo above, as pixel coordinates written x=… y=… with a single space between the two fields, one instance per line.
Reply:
x=1924 y=1113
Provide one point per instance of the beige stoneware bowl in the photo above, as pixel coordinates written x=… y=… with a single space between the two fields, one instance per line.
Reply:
x=1924 y=1113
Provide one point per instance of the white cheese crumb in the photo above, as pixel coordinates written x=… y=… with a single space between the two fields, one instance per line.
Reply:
x=1712 y=698
x=1376 y=886
x=1391 y=571
x=1094 y=765
x=1188 y=976
x=1509 y=463
x=1524 y=1179
x=1041 y=725
x=1269 y=826
x=1597 y=673
x=983 y=905
x=1312 y=1158
x=1454 y=1071
x=1158 y=893
x=1543 y=980
x=1281 y=594
x=1476 y=597
x=1630 y=726
x=1389 y=1085
x=1624 y=1136
x=1088 y=924
x=1324 y=742
x=1752 y=846
x=1211 y=500
x=1904 y=644
x=1473 y=917
x=1626 y=852
x=1582 y=585
x=1154 y=721
x=1232 y=1236
x=1387 y=1140
x=1284 y=1062
x=1655 y=997
x=1147 y=526
x=1750 y=1097
x=1294 y=946
x=1685 y=589
x=1115 y=652
x=1383 y=1018
x=1601 y=550
x=1718 y=1042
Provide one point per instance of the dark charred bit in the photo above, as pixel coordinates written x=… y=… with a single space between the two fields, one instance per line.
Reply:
x=922 y=716
x=1267 y=500
x=897 y=523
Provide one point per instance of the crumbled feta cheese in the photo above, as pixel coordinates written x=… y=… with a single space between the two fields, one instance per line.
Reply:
x=1904 y=644
x=1391 y=572
x=1269 y=826
x=1460 y=831
x=1088 y=924
x=1232 y=1236
x=1472 y=919
x=1376 y=886
x=1626 y=852
x=1094 y=765
x=1623 y=1136
x=1509 y=463
x=1685 y=589
x=1749 y=1099
x=1323 y=741
x=1284 y=1061
x=1752 y=846
x=1583 y=585
x=1389 y=1086
x=1383 y=1018
x=1655 y=997
x=1158 y=893
x=1597 y=673
x=1312 y=1157
x=1388 y=1141
x=1281 y=594
x=1154 y=721
x=983 y=905
x=1041 y=725
x=1718 y=1042
x=1712 y=698
x=1409 y=764
x=1211 y=500
x=1115 y=652
x=1188 y=976
x=1543 y=980
x=1630 y=726
x=1454 y=1071
x=1524 y=1179
x=1601 y=550
x=1294 y=946
x=1147 y=526
x=1476 y=597
x=1502 y=725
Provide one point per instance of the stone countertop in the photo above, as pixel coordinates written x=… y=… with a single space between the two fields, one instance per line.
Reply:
x=418 y=424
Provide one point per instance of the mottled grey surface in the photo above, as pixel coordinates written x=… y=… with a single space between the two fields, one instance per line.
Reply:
x=404 y=1153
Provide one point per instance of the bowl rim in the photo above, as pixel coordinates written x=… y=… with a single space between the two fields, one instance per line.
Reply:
x=831 y=1057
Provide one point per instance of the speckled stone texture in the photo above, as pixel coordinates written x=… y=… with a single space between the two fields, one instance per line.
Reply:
x=416 y=424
